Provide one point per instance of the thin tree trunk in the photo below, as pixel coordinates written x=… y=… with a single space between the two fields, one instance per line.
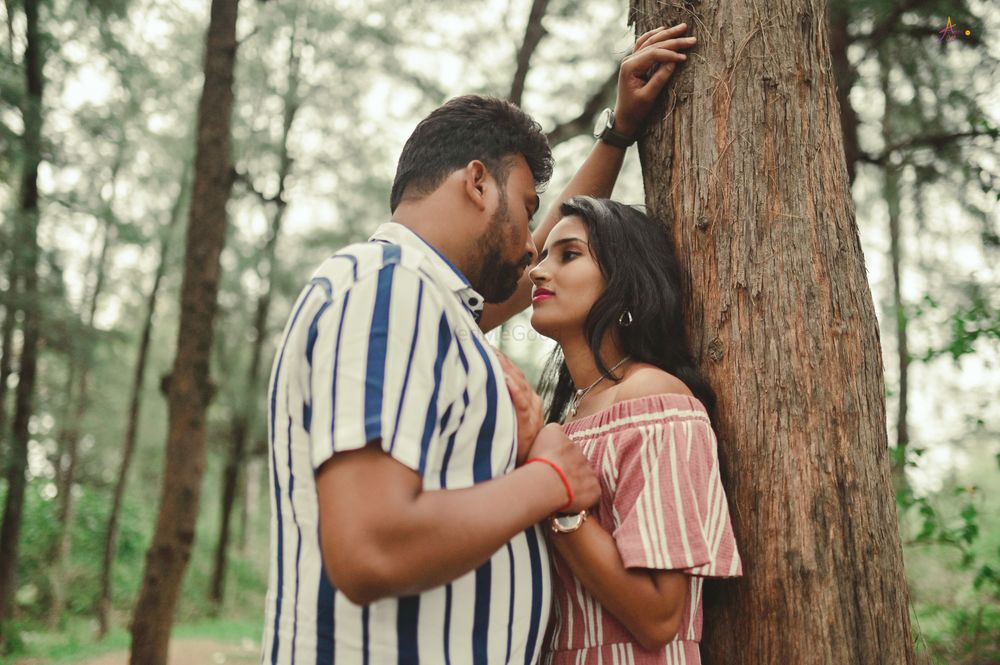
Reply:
x=72 y=431
x=135 y=404
x=533 y=34
x=243 y=420
x=6 y=359
x=846 y=78
x=892 y=199
x=250 y=503
x=190 y=388
x=26 y=260
x=747 y=170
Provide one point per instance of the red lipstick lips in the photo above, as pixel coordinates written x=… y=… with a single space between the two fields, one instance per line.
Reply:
x=540 y=294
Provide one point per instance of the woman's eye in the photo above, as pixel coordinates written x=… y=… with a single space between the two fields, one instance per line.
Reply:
x=568 y=255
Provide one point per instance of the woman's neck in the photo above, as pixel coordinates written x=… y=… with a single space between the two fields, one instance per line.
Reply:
x=581 y=364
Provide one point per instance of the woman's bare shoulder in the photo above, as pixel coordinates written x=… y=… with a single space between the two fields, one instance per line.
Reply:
x=645 y=379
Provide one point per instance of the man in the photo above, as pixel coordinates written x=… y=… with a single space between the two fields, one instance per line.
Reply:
x=405 y=517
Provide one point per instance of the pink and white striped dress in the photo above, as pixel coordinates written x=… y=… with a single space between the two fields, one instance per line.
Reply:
x=663 y=502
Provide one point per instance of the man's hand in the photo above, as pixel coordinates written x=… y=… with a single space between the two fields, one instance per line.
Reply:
x=527 y=405
x=553 y=444
x=645 y=72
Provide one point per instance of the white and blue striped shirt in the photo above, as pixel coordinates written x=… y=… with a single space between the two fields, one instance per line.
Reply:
x=384 y=342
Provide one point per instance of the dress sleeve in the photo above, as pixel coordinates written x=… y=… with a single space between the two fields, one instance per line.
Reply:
x=672 y=508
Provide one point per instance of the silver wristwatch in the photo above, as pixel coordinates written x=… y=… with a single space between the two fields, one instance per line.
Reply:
x=604 y=130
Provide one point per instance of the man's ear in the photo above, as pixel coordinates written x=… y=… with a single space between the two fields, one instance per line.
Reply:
x=476 y=177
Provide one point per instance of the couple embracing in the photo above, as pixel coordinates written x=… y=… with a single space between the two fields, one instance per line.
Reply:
x=428 y=505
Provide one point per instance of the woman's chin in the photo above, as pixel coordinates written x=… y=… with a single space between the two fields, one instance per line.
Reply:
x=543 y=326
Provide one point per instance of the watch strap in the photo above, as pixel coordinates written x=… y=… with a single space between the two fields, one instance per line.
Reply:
x=617 y=139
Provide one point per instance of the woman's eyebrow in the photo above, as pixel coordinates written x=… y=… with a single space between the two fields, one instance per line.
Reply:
x=561 y=241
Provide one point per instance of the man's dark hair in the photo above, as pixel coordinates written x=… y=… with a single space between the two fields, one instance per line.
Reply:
x=489 y=129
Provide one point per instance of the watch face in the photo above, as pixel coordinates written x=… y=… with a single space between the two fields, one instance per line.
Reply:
x=568 y=521
x=604 y=121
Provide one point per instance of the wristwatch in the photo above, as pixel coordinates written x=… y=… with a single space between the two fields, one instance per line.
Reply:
x=604 y=130
x=568 y=522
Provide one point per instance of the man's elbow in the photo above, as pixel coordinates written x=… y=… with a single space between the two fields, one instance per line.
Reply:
x=363 y=579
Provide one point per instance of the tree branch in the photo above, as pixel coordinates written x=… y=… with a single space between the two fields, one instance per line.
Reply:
x=925 y=141
x=244 y=179
x=533 y=34
x=885 y=28
x=583 y=122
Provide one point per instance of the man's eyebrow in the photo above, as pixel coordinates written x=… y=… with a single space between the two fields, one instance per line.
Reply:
x=561 y=241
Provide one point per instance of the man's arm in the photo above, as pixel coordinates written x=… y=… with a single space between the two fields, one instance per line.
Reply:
x=381 y=535
x=637 y=91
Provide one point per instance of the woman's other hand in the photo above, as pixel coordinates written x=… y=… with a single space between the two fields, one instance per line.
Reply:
x=645 y=72
x=527 y=405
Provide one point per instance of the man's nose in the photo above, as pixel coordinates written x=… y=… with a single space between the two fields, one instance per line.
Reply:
x=532 y=251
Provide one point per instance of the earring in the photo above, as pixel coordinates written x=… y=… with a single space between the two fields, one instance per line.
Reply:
x=625 y=323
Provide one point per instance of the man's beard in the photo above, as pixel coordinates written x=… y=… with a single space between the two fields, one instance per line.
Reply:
x=498 y=277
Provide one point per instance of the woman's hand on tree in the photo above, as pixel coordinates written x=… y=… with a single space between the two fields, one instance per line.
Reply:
x=645 y=72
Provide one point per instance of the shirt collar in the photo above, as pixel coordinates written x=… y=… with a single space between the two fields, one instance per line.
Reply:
x=448 y=273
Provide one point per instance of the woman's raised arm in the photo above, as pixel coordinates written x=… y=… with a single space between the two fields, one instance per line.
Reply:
x=641 y=78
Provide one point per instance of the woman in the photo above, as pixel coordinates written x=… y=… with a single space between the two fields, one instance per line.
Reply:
x=629 y=574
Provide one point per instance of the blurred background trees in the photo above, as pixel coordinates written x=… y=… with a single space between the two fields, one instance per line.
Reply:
x=98 y=105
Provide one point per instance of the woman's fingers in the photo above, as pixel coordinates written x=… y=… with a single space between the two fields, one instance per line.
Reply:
x=640 y=64
x=673 y=44
x=657 y=34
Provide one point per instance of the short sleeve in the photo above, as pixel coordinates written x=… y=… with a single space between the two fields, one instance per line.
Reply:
x=670 y=500
x=381 y=366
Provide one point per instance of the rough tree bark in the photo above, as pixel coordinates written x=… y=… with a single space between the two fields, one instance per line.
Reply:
x=190 y=388
x=243 y=420
x=26 y=274
x=747 y=169
x=132 y=426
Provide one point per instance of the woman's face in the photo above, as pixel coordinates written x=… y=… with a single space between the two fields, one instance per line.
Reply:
x=568 y=271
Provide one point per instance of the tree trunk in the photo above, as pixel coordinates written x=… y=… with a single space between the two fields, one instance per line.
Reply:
x=898 y=311
x=72 y=430
x=190 y=388
x=132 y=426
x=533 y=34
x=845 y=77
x=243 y=420
x=747 y=170
x=26 y=272
x=6 y=357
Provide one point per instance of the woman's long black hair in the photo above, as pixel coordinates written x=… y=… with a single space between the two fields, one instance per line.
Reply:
x=637 y=258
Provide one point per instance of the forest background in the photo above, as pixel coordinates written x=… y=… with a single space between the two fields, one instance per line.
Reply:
x=325 y=95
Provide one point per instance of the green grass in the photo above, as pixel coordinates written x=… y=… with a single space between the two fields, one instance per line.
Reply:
x=76 y=641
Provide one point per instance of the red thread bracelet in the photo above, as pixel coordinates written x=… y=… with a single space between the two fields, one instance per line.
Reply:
x=562 y=475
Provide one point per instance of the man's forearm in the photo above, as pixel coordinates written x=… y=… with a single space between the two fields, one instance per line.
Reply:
x=445 y=534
